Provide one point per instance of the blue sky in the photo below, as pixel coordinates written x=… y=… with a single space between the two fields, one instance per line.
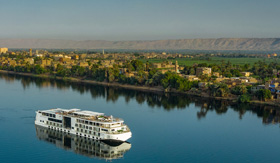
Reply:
x=138 y=20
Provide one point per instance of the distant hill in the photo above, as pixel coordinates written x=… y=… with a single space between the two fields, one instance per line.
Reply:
x=192 y=44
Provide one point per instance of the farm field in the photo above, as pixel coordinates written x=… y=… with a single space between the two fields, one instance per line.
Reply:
x=217 y=60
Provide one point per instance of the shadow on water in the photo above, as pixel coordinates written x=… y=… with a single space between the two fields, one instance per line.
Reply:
x=168 y=102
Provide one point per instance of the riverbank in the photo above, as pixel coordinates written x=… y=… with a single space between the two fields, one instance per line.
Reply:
x=133 y=87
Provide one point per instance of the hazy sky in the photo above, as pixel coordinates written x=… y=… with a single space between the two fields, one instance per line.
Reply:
x=138 y=19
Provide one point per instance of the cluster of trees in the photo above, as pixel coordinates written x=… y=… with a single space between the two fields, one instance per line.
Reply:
x=219 y=90
x=245 y=94
x=35 y=69
x=225 y=68
x=260 y=69
x=147 y=75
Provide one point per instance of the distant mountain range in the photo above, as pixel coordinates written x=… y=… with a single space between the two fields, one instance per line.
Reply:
x=192 y=44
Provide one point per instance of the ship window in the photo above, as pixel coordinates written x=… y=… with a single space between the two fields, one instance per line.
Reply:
x=89 y=132
x=81 y=130
x=72 y=127
x=90 y=123
x=104 y=129
x=86 y=127
x=77 y=129
x=90 y=128
x=54 y=120
x=86 y=122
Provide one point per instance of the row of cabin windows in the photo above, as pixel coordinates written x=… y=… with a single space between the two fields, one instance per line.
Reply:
x=91 y=128
x=55 y=120
x=88 y=132
x=94 y=124
x=87 y=122
x=89 y=137
x=54 y=124
x=86 y=127
x=47 y=114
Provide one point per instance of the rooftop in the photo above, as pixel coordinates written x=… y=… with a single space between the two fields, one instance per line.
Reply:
x=87 y=115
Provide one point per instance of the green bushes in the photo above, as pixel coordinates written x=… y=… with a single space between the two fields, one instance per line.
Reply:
x=239 y=90
x=173 y=80
x=245 y=98
x=263 y=94
x=219 y=90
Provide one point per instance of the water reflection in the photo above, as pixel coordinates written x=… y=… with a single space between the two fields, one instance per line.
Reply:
x=269 y=114
x=83 y=146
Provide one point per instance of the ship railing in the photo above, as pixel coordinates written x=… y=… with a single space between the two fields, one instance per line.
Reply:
x=111 y=127
x=117 y=132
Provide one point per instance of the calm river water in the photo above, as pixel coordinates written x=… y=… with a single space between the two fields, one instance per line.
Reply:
x=165 y=128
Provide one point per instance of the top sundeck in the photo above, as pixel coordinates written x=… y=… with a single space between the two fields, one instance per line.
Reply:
x=86 y=115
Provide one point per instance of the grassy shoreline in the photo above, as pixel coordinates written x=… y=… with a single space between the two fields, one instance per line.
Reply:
x=133 y=87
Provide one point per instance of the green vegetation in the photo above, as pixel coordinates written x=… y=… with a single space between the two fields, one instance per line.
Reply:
x=239 y=90
x=263 y=94
x=219 y=90
x=142 y=72
x=245 y=98
x=211 y=60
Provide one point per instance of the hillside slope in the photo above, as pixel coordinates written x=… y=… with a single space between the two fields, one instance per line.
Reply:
x=195 y=44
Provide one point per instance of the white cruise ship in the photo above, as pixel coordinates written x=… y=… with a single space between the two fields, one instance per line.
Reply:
x=84 y=123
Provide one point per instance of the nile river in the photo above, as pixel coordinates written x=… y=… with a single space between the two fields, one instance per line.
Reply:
x=165 y=127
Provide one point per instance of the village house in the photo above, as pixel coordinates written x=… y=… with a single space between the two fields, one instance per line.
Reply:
x=247 y=74
x=216 y=74
x=3 y=50
x=29 y=60
x=190 y=77
x=83 y=64
x=45 y=62
x=203 y=71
